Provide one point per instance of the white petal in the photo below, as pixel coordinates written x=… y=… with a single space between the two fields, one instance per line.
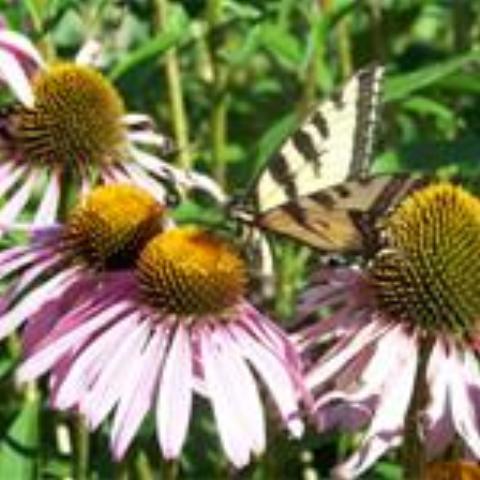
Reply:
x=175 y=395
x=16 y=78
x=89 y=53
x=233 y=438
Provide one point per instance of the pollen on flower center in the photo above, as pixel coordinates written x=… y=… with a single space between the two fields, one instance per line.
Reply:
x=112 y=224
x=76 y=119
x=429 y=273
x=187 y=271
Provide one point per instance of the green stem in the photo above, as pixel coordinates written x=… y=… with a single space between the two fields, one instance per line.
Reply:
x=81 y=448
x=218 y=117
x=174 y=82
x=170 y=470
x=414 y=455
x=142 y=467
x=344 y=47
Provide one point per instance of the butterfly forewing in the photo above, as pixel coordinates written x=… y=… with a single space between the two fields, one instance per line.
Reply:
x=332 y=145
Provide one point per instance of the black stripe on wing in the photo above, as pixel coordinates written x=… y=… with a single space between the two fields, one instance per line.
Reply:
x=369 y=81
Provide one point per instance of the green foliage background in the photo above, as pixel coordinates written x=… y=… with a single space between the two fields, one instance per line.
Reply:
x=228 y=79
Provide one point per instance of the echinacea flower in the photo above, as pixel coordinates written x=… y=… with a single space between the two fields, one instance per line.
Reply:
x=453 y=470
x=64 y=263
x=414 y=307
x=70 y=128
x=177 y=325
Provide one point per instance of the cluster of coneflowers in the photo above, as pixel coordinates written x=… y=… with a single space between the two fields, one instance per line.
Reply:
x=128 y=312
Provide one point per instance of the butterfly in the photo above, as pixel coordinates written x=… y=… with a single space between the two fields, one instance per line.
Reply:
x=316 y=188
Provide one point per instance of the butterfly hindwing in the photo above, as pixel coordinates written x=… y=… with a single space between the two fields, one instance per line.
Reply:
x=340 y=218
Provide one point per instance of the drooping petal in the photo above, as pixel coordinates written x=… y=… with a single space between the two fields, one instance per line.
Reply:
x=436 y=419
x=28 y=305
x=386 y=429
x=140 y=178
x=149 y=138
x=45 y=357
x=463 y=412
x=47 y=210
x=20 y=45
x=234 y=440
x=240 y=385
x=16 y=78
x=12 y=175
x=175 y=394
x=276 y=376
x=137 y=400
x=339 y=355
x=106 y=390
x=88 y=363
x=138 y=121
x=17 y=202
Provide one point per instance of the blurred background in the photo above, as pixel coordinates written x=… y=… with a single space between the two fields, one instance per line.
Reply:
x=228 y=80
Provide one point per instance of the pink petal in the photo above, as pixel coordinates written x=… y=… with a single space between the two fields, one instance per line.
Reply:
x=106 y=391
x=14 y=259
x=437 y=421
x=44 y=358
x=233 y=439
x=140 y=178
x=8 y=180
x=88 y=363
x=47 y=210
x=174 y=404
x=16 y=78
x=31 y=274
x=385 y=430
x=31 y=303
x=18 y=201
x=149 y=138
x=136 y=402
x=370 y=452
x=463 y=411
x=20 y=45
x=275 y=374
x=337 y=357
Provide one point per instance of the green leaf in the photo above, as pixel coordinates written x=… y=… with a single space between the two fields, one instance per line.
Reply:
x=284 y=47
x=176 y=30
x=403 y=85
x=35 y=13
x=19 y=447
x=427 y=106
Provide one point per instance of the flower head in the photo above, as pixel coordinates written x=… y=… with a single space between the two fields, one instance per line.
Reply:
x=70 y=125
x=101 y=238
x=421 y=288
x=181 y=323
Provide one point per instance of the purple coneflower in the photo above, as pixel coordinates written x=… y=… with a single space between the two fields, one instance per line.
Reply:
x=151 y=337
x=64 y=263
x=400 y=354
x=70 y=125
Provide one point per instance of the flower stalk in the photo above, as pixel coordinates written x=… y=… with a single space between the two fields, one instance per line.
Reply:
x=174 y=81
x=218 y=116
x=81 y=448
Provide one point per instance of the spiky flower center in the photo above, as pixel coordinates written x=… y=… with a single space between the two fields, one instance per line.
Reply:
x=76 y=119
x=189 y=272
x=113 y=223
x=429 y=273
